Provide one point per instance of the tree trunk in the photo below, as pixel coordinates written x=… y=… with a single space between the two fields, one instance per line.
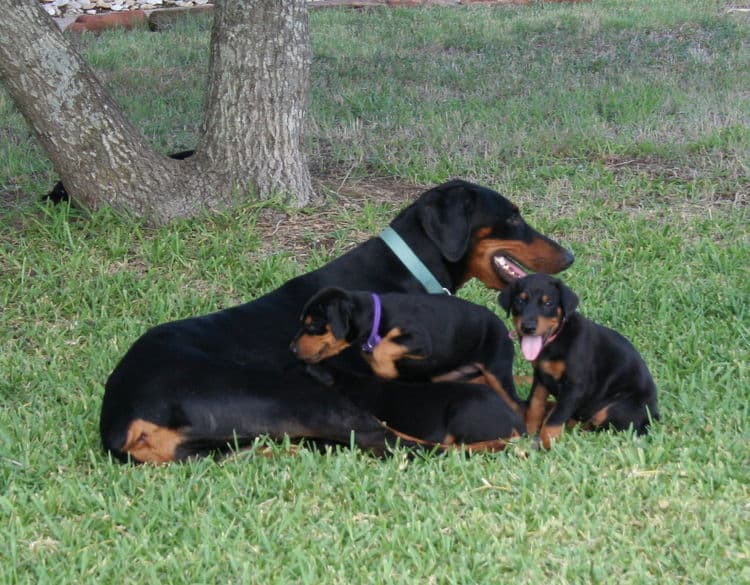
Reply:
x=265 y=69
x=253 y=125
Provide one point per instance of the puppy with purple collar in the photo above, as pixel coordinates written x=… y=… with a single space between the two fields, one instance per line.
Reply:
x=410 y=337
x=595 y=374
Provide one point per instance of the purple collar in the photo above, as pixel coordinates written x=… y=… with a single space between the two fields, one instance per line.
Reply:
x=374 y=339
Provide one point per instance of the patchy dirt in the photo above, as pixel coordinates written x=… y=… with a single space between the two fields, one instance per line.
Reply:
x=302 y=232
x=13 y=198
x=163 y=18
x=654 y=167
x=732 y=188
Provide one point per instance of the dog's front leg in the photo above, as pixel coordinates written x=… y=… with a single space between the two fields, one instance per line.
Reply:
x=537 y=408
x=563 y=410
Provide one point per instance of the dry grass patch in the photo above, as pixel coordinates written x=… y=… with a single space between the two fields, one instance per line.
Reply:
x=302 y=232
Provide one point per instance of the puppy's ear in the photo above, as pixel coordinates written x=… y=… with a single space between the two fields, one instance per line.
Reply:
x=445 y=219
x=568 y=299
x=340 y=314
x=505 y=298
x=319 y=299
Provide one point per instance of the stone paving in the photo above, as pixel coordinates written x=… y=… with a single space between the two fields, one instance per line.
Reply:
x=59 y=8
x=66 y=12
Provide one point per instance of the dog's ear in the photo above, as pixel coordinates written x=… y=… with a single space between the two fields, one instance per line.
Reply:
x=319 y=299
x=505 y=298
x=340 y=310
x=445 y=219
x=568 y=299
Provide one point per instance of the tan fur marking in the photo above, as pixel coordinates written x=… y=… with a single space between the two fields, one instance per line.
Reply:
x=547 y=325
x=554 y=368
x=385 y=355
x=495 y=384
x=410 y=438
x=537 y=408
x=492 y=445
x=477 y=380
x=461 y=373
x=539 y=255
x=601 y=416
x=549 y=434
x=150 y=443
x=480 y=264
x=315 y=348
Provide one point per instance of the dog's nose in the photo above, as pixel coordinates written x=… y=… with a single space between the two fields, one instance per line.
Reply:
x=528 y=326
x=293 y=347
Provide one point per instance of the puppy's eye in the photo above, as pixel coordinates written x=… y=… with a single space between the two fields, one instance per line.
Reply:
x=313 y=327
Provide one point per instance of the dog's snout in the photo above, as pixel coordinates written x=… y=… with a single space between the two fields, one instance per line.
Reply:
x=293 y=347
x=528 y=326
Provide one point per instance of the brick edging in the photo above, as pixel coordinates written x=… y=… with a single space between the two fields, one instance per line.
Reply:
x=163 y=18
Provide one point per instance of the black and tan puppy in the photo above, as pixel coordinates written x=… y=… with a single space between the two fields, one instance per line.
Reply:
x=424 y=337
x=595 y=374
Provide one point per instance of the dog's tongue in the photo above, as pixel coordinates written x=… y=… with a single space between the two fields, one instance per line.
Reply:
x=531 y=346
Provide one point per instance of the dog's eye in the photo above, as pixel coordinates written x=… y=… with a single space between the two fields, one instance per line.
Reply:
x=314 y=328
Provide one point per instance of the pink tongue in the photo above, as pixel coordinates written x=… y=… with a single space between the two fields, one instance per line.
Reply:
x=531 y=345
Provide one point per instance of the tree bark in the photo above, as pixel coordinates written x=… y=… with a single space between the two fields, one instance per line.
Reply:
x=253 y=125
x=258 y=81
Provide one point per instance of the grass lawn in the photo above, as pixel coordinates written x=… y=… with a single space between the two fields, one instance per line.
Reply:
x=620 y=128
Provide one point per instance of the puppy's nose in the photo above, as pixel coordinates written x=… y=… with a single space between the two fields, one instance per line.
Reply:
x=293 y=347
x=528 y=326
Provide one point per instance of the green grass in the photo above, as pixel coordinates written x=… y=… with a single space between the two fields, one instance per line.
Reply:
x=621 y=128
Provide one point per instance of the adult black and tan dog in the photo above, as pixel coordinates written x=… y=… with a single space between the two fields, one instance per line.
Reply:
x=424 y=337
x=195 y=386
x=596 y=375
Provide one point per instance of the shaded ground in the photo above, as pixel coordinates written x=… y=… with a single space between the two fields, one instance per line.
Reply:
x=299 y=233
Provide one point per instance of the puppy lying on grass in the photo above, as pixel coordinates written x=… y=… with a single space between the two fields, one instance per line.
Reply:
x=596 y=375
x=410 y=337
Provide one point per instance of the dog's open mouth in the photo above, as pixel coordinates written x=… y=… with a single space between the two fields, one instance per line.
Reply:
x=531 y=346
x=507 y=269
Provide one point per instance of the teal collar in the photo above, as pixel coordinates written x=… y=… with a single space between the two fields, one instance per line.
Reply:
x=413 y=264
